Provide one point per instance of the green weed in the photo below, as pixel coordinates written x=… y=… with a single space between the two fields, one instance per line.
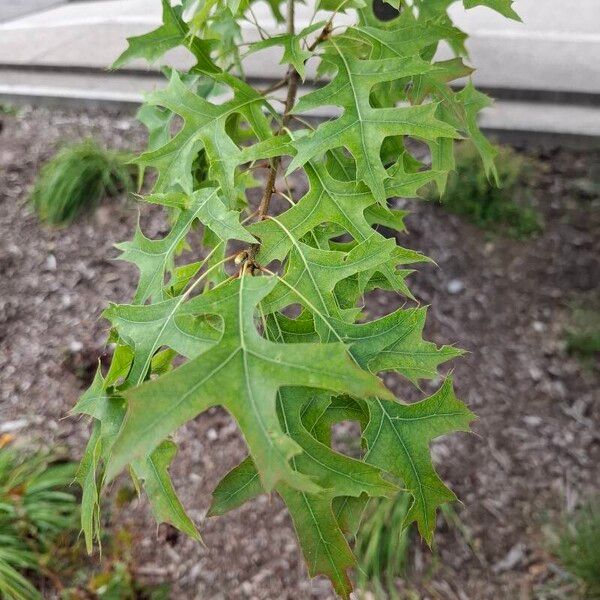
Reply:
x=507 y=209
x=383 y=544
x=8 y=110
x=578 y=549
x=39 y=527
x=583 y=336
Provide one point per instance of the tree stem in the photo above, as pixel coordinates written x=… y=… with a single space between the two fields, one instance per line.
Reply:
x=292 y=78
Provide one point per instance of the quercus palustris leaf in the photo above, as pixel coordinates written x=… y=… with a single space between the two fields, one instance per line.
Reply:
x=172 y=33
x=154 y=257
x=242 y=372
x=361 y=128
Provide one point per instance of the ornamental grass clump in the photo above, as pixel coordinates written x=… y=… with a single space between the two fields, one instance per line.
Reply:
x=77 y=178
x=37 y=510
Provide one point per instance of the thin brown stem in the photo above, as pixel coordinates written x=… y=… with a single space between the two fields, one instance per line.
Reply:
x=275 y=86
x=325 y=32
x=292 y=79
x=269 y=189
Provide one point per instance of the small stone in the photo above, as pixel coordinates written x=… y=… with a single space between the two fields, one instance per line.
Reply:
x=532 y=420
x=498 y=372
x=103 y=215
x=84 y=271
x=10 y=426
x=14 y=250
x=558 y=389
x=212 y=435
x=51 y=262
x=247 y=588
x=535 y=373
x=538 y=326
x=555 y=370
x=75 y=347
x=455 y=286
x=511 y=560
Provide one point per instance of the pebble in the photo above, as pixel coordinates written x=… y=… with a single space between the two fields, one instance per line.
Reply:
x=247 y=588
x=66 y=301
x=14 y=250
x=538 y=326
x=51 y=262
x=535 y=373
x=455 y=286
x=532 y=420
x=511 y=560
x=10 y=426
x=75 y=347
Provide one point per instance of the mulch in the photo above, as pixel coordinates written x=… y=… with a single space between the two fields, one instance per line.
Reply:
x=535 y=451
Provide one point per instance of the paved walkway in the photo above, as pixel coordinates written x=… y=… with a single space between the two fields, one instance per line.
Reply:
x=555 y=49
x=11 y=9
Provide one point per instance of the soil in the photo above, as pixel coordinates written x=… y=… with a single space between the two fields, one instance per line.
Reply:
x=535 y=453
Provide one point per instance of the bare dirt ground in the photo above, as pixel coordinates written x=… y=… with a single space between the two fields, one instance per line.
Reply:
x=536 y=451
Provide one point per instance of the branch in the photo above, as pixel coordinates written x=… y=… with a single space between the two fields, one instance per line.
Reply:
x=293 y=79
x=275 y=86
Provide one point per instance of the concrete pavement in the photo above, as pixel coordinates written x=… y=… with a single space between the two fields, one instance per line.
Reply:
x=9 y=9
x=556 y=48
x=555 y=51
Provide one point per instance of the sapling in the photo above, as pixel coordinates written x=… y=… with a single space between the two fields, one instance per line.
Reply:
x=269 y=320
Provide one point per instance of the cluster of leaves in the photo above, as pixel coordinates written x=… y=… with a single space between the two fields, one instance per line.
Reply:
x=36 y=509
x=76 y=178
x=225 y=329
x=504 y=208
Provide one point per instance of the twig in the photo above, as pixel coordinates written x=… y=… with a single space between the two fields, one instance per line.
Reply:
x=276 y=86
x=292 y=79
x=323 y=35
x=263 y=207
